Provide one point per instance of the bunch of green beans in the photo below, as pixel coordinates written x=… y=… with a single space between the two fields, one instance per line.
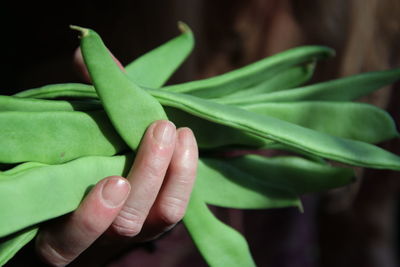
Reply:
x=58 y=140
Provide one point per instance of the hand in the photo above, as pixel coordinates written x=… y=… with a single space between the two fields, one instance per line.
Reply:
x=149 y=202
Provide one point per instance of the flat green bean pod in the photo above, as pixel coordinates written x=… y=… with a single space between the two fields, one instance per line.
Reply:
x=234 y=188
x=290 y=78
x=12 y=103
x=219 y=244
x=48 y=191
x=211 y=135
x=230 y=117
x=82 y=91
x=21 y=168
x=343 y=89
x=252 y=74
x=119 y=95
x=357 y=121
x=162 y=61
x=294 y=173
x=320 y=144
x=56 y=137
x=67 y=89
x=65 y=185
x=10 y=245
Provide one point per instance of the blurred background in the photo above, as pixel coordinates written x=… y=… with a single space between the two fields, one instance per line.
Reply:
x=353 y=226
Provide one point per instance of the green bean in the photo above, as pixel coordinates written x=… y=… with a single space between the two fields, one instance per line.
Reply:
x=44 y=192
x=163 y=60
x=69 y=181
x=319 y=144
x=211 y=135
x=294 y=173
x=357 y=121
x=219 y=244
x=10 y=245
x=56 y=137
x=21 y=168
x=363 y=154
x=119 y=96
x=233 y=188
x=12 y=103
x=252 y=74
x=343 y=89
x=63 y=90
x=290 y=78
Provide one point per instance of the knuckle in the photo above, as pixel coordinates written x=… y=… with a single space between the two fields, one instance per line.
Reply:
x=51 y=254
x=185 y=170
x=88 y=226
x=184 y=163
x=129 y=222
x=155 y=166
x=172 y=210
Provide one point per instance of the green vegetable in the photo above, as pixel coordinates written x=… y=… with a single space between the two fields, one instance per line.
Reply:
x=252 y=74
x=285 y=79
x=11 y=245
x=56 y=137
x=320 y=144
x=234 y=188
x=29 y=194
x=163 y=60
x=219 y=244
x=65 y=89
x=342 y=119
x=12 y=103
x=343 y=89
x=119 y=96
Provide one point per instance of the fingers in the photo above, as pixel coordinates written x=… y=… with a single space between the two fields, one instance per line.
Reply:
x=171 y=203
x=155 y=195
x=61 y=242
x=146 y=177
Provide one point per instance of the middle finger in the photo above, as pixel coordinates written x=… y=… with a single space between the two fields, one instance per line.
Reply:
x=146 y=177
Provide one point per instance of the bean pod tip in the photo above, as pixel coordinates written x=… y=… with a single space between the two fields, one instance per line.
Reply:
x=183 y=27
x=83 y=31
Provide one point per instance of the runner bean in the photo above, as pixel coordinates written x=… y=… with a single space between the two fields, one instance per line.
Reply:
x=357 y=121
x=81 y=91
x=343 y=89
x=69 y=181
x=48 y=191
x=234 y=188
x=11 y=245
x=119 y=96
x=56 y=137
x=252 y=74
x=209 y=110
x=162 y=61
x=299 y=175
x=214 y=238
x=290 y=78
x=320 y=144
x=12 y=103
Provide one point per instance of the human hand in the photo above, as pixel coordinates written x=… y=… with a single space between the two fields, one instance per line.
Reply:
x=150 y=201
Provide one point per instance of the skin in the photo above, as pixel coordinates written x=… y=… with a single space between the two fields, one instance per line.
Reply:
x=142 y=206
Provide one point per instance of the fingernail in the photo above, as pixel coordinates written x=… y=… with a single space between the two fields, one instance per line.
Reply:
x=185 y=137
x=115 y=191
x=164 y=132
